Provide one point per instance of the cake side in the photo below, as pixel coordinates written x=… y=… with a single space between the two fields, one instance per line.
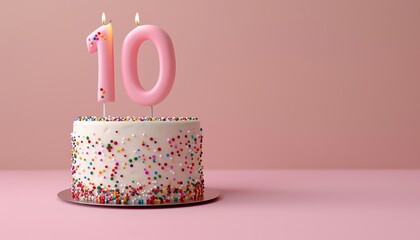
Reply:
x=138 y=160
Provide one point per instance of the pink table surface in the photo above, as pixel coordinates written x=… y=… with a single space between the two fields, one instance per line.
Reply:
x=277 y=204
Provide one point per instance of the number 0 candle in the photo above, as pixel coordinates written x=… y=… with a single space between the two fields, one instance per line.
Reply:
x=165 y=49
x=101 y=41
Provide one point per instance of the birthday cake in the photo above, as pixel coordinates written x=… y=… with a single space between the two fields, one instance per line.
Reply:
x=137 y=160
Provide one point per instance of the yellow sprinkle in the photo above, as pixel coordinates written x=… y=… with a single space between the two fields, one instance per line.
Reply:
x=149 y=166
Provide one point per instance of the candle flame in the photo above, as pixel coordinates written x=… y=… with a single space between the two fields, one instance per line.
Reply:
x=103 y=19
x=137 y=19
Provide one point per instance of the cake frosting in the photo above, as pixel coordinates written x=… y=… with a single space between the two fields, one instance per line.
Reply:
x=137 y=160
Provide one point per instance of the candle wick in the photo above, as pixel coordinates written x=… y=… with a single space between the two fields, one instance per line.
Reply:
x=104 y=109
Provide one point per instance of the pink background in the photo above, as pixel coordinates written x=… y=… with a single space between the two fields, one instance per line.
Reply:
x=310 y=84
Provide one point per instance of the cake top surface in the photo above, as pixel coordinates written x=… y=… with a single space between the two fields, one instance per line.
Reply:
x=133 y=119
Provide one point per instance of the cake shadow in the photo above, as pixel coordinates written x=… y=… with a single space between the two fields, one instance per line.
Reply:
x=256 y=197
x=295 y=197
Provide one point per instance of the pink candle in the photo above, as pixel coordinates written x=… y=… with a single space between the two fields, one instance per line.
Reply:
x=101 y=41
x=165 y=49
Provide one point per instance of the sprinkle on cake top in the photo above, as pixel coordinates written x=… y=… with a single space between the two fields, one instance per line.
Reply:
x=133 y=119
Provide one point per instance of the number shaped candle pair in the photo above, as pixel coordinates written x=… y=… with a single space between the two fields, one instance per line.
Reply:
x=101 y=41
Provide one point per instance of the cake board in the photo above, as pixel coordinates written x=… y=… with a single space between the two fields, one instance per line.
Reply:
x=210 y=195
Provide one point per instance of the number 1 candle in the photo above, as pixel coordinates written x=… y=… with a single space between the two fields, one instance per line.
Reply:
x=101 y=41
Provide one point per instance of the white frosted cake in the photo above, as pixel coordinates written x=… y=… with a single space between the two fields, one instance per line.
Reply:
x=137 y=160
